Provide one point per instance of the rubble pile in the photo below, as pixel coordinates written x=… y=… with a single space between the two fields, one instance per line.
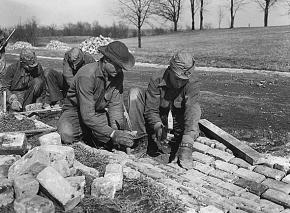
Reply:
x=57 y=45
x=91 y=45
x=9 y=123
x=20 y=45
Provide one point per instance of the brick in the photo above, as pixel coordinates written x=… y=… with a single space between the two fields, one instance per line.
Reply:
x=224 y=166
x=219 y=146
x=78 y=182
x=203 y=140
x=245 y=204
x=225 y=176
x=277 y=197
x=210 y=209
x=199 y=147
x=219 y=190
x=213 y=180
x=50 y=139
x=251 y=186
x=114 y=172
x=5 y=162
x=59 y=188
x=202 y=158
x=6 y=192
x=270 y=207
x=131 y=173
x=204 y=168
x=240 y=163
x=286 y=179
x=193 y=174
x=25 y=186
x=277 y=185
x=231 y=187
x=35 y=204
x=34 y=106
x=269 y=172
x=13 y=143
x=221 y=155
x=85 y=170
x=250 y=175
x=250 y=196
x=275 y=162
x=103 y=188
x=240 y=149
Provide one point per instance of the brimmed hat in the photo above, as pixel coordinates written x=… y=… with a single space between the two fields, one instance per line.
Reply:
x=119 y=54
x=182 y=64
x=28 y=57
x=76 y=56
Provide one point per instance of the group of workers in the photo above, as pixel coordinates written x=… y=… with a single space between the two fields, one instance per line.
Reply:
x=91 y=94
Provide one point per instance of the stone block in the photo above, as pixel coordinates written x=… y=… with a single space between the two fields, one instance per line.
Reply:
x=193 y=174
x=219 y=190
x=286 y=179
x=285 y=211
x=85 y=170
x=204 y=140
x=250 y=175
x=210 y=209
x=13 y=143
x=34 y=106
x=114 y=172
x=131 y=173
x=25 y=186
x=225 y=176
x=275 y=162
x=277 y=185
x=103 y=188
x=5 y=162
x=62 y=167
x=204 y=168
x=270 y=207
x=251 y=186
x=220 y=155
x=240 y=149
x=250 y=196
x=59 y=188
x=245 y=204
x=6 y=192
x=78 y=182
x=220 y=146
x=199 y=147
x=50 y=139
x=269 y=172
x=240 y=163
x=213 y=180
x=232 y=187
x=35 y=204
x=224 y=166
x=202 y=158
x=277 y=197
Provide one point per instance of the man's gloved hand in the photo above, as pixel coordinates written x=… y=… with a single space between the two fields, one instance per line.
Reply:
x=123 y=138
x=160 y=131
x=185 y=152
x=16 y=105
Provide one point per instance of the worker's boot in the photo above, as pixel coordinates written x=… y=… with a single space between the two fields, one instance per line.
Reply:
x=185 y=158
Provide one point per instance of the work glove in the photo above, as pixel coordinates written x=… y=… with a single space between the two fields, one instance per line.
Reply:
x=185 y=152
x=121 y=137
x=16 y=105
x=160 y=131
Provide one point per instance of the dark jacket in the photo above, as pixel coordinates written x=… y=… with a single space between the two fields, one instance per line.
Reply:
x=183 y=102
x=94 y=95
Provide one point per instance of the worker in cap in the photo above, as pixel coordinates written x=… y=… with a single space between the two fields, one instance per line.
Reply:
x=2 y=51
x=24 y=81
x=93 y=109
x=57 y=83
x=171 y=92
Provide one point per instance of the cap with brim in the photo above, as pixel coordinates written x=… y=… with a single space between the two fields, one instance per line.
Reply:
x=118 y=53
x=76 y=56
x=182 y=64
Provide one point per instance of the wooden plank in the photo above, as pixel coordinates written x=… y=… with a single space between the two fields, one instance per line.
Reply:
x=239 y=148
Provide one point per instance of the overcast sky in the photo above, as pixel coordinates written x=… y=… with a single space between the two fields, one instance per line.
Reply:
x=59 y=12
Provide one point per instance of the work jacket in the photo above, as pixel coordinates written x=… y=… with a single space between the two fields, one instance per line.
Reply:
x=183 y=102
x=95 y=96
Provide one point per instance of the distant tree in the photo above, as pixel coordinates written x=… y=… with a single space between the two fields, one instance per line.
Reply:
x=169 y=10
x=221 y=15
x=235 y=6
x=27 y=32
x=266 y=5
x=202 y=9
x=136 y=12
x=194 y=8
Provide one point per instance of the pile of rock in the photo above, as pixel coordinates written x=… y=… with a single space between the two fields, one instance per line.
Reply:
x=91 y=45
x=57 y=45
x=20 y=45
x=49 y=174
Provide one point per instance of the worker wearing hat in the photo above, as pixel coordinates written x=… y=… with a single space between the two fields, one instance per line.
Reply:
x=2 y=52
x=57 y=83
x=24 y=81
x=174 y=90
x=93 y=107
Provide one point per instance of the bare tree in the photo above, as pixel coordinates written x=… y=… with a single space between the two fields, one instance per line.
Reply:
x=169 y=10
x=202 y=9
x=194 y=8
x=235 y=6
x=221 y=15
x=266 y=5
x=136 y=12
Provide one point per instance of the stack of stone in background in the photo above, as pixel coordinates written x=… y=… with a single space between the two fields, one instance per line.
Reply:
x=57 y=45
x=20 y=45
x=91 y=45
